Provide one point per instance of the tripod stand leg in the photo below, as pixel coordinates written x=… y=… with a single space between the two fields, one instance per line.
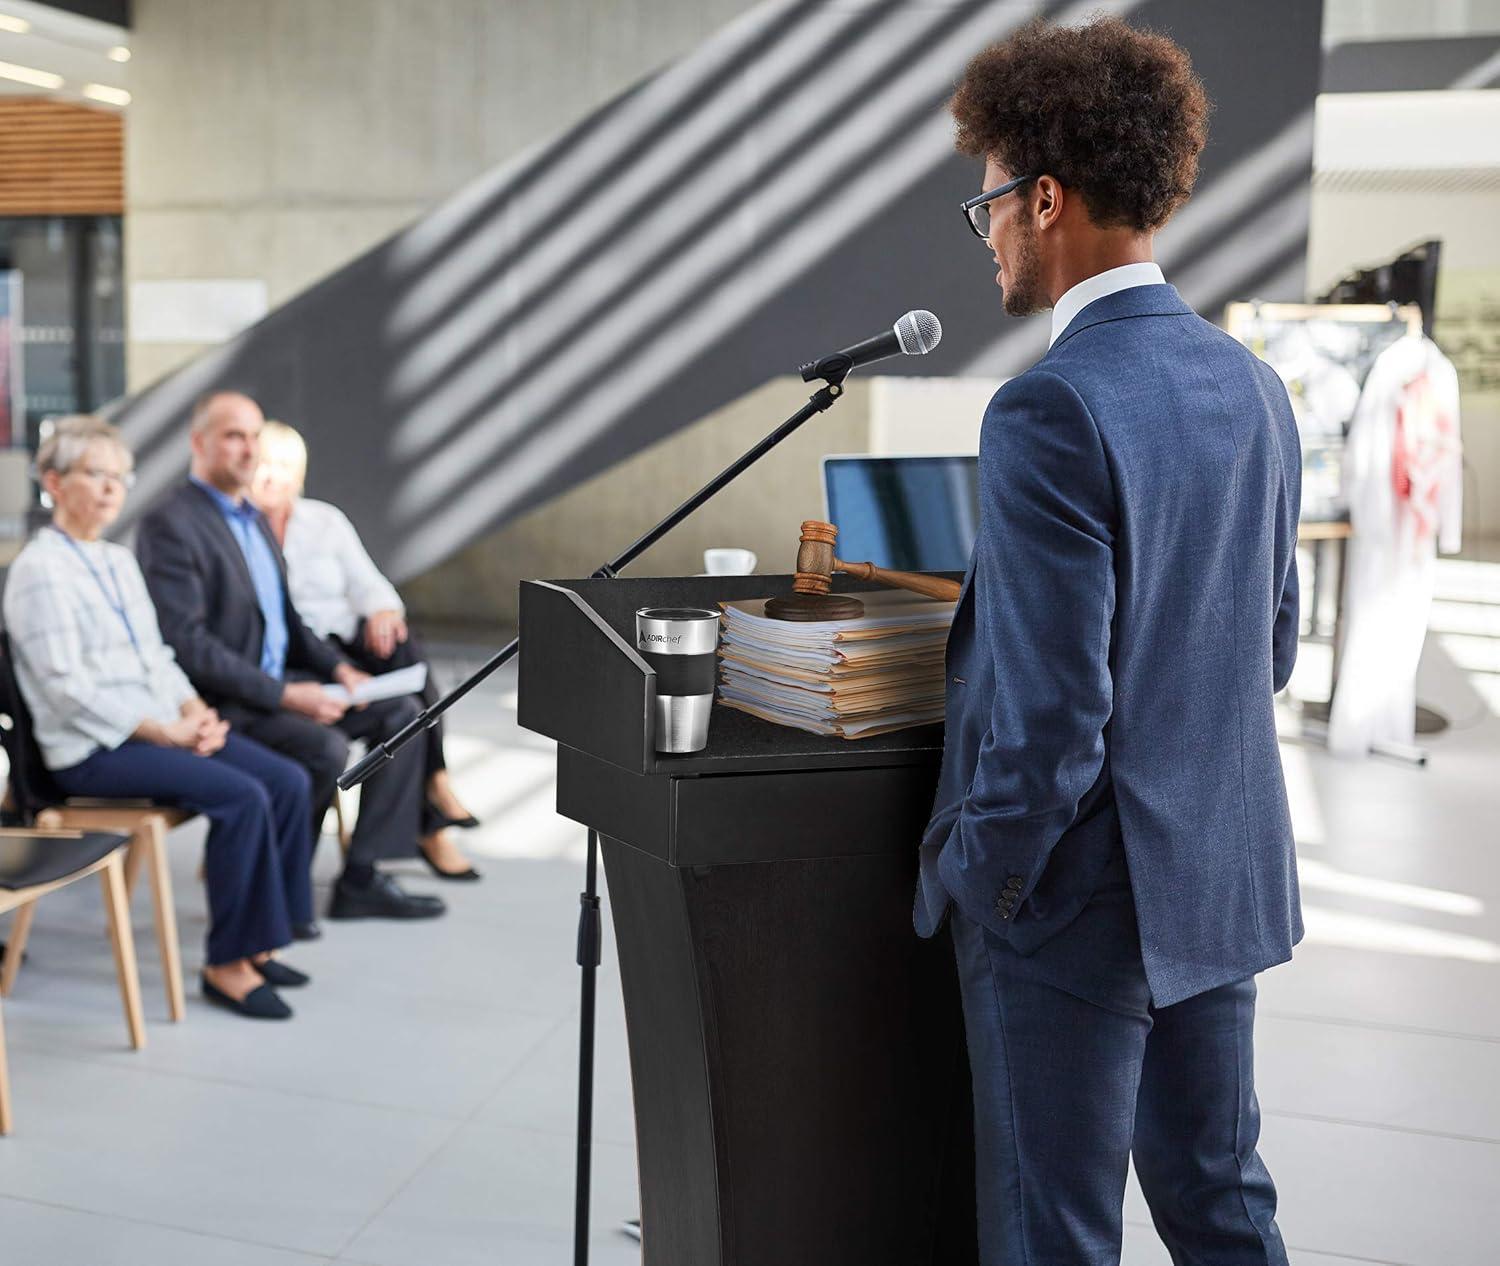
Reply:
x=589 y=933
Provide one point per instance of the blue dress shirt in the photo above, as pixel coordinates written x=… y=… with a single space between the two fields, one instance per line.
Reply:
x=265 y=574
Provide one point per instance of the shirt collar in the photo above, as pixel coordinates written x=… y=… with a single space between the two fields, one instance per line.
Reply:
x=241 y=509
x=1077 y=298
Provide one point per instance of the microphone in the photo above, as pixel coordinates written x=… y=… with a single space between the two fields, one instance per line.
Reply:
x=915 y=334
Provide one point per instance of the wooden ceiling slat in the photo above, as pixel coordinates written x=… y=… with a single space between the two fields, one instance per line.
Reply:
x=60 y=159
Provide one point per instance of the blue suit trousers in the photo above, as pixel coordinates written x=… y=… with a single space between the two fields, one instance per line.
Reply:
x=259 y=808
x=1070 y=1081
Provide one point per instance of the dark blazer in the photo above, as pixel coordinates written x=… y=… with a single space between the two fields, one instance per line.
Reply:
x=1129 y=611
x=206 y=605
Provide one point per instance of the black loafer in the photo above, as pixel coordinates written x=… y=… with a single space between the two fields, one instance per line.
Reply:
x=308 y=931
x=381 y=898
x=261 y=1003
x=282 y=976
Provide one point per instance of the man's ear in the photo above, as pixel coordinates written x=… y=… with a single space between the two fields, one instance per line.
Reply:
x=1050 y=199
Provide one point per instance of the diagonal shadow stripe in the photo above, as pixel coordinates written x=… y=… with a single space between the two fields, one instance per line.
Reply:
x=924 y=129
x=628 y=384
x=612 y=140
x=421 y=433
x=153 y=416
x=495 y=443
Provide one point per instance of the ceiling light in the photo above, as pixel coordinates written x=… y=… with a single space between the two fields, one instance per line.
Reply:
x=16 y=26
x=102 y=92
x=26 y=75
x=119 y=53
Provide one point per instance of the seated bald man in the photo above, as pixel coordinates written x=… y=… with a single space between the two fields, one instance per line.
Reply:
x=218 y=580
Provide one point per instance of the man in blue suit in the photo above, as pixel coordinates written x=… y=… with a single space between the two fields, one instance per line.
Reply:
x=1111 y=840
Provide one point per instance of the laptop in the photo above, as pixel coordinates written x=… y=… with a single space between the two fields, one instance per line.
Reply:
x=910 y=513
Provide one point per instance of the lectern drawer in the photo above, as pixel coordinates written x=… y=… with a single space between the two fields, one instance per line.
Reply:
x=818 y=813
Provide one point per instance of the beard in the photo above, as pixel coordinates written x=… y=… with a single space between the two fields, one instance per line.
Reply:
x=1021 y=289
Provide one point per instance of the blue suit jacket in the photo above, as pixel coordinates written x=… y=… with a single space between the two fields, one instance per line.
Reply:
x=1130 y=608
x=208 y=609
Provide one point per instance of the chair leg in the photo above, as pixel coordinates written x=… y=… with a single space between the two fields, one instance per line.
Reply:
x=123 y=940
x=342 y=820
x=155 y=830
x=4 y=1084
x=135 y=854
x=20 y=929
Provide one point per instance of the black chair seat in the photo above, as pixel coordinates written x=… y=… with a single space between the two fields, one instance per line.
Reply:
x=27 y=860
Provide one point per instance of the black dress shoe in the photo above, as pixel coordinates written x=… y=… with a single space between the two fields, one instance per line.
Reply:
x=308 y=931
x=468 y=875
x=381 y=898
x=261 y=1003
x=463 y=824
x=280 y=975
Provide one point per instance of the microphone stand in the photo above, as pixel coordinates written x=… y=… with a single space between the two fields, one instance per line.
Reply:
x=833 y=369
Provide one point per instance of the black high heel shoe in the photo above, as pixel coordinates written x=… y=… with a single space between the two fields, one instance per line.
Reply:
x=461 y=876
x=442 y=819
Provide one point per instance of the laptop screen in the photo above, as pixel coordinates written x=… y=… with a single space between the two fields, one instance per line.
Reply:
x=907 y=513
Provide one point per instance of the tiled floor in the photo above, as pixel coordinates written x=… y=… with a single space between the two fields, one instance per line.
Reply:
x=419 y=1110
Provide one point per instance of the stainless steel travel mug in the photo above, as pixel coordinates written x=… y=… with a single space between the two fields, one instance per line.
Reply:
x=681 y=644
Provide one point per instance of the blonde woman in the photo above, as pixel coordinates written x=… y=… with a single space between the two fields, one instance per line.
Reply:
x=342 y=596
x=116 y=717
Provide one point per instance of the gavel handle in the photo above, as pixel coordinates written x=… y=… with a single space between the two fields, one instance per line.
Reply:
x=929 y=586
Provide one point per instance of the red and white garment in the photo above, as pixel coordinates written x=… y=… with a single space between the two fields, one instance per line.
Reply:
x=1403 y=476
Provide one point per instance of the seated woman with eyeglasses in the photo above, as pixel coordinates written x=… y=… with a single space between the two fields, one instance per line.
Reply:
x=115 y=717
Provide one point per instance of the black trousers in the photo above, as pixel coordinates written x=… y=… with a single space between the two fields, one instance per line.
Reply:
x=391 y=801
x=405 y=655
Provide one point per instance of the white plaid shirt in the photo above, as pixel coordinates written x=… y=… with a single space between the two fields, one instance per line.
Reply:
x=87 y=684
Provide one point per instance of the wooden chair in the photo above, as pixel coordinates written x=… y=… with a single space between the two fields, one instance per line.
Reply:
x=34 y=863
x=35 y=800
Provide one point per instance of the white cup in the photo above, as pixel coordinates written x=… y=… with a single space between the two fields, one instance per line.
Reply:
x=728 y=562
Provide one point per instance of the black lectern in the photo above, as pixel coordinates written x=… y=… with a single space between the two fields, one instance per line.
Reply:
x=800 y=1081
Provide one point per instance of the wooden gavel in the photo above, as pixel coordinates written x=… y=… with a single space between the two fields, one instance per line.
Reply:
x=810 y=598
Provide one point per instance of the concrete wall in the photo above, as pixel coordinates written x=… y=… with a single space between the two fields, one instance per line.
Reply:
x=512 y=345
x=572 y=535
x=276 y=140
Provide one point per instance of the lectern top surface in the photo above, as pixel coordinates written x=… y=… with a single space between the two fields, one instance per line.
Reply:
x=737 y=741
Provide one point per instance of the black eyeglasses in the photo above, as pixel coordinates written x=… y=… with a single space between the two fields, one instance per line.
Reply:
x=977 y=209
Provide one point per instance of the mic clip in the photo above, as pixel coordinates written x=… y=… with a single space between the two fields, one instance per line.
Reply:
x=831 y=369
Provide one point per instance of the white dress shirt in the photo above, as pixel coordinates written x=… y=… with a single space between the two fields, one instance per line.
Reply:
x=1076 y=299
x=333 y=582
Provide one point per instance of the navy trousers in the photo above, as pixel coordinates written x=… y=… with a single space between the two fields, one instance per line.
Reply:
x=1071 y=1079
x=258 y=805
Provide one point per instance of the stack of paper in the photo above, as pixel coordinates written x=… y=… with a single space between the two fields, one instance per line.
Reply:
x=851 y=678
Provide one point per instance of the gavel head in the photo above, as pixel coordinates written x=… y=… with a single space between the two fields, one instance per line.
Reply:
x=810 y=598
x=815 y=557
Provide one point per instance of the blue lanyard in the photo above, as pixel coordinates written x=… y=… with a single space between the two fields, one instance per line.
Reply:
x=116 y=600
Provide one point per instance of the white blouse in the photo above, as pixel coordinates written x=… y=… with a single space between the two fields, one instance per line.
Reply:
x=333 y=582
x=88 y=652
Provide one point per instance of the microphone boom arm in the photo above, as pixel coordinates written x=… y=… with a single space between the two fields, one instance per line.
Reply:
x=818 y=402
